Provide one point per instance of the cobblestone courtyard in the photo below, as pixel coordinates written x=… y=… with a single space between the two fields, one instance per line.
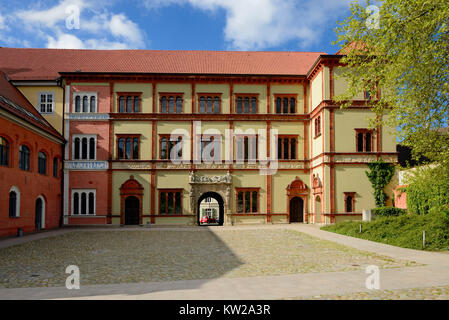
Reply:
x=129 y=256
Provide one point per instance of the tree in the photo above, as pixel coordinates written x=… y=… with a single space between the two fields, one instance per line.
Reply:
x=407 y=57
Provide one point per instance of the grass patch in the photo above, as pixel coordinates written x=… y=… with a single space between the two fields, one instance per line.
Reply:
x=402 y=231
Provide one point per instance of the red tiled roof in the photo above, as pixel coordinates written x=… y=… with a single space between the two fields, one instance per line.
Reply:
x=12 y=100
x=45 y=64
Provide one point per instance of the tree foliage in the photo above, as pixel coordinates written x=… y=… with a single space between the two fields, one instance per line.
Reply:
x=428 y=191
x=380 y=174
x=407 y=56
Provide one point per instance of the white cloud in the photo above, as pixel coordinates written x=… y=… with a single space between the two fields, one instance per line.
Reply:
x=121 y=26
x=97 y=29
x=50 y=17
x=2 y=22
x=260 y=24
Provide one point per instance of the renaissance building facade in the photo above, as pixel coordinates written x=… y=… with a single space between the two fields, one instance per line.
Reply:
x=153 y=136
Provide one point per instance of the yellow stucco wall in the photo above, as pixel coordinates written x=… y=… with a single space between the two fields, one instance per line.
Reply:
x=340 y=84
x=288 y=89
x=345 y=122
x=317 y=89
x=145 y=88
x=134 y=127
x=224 y=89
x=32 y=94
x=184 y=88
x=256 y=89
x=352 y=178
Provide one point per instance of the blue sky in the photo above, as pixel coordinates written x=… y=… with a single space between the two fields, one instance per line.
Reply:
x=286 y=25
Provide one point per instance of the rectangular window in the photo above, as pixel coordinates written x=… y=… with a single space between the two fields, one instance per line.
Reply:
x=128 y=147
x=83 y=202
x=286 y=146
x=129 y=102
x=364 y=140
x=317 y=126
x=170 y=201
x=171 y=102
x=209 y=103
x=84 y=147
x=167 y=145
x=85 y=102
x=247 y=200
x=285 y=103
x=349 y=201
x=210 y=148
x=247 y=147
x=46 y=102
x=246 y=103
x=55 y=167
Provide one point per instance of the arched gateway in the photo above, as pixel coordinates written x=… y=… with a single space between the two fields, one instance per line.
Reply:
x=217 y=187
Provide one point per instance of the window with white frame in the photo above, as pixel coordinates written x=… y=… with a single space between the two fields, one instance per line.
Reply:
x=84 y=147
x=83 y=202
x=85 y=102
x=46 y=101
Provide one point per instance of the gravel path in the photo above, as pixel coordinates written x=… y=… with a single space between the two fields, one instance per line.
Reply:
x=432 y=293
x=107 y=257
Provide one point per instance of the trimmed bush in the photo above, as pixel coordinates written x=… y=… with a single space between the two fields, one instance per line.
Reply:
x=388 y=211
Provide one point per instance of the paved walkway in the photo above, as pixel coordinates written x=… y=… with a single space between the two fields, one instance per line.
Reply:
x=435 y=272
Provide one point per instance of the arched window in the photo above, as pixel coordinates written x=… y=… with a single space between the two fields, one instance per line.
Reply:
x=136 y=104
x=77 y=148
x=92 y=148
x=121 y=104
x=93 y=104
x=84 y=148
x=42 y=163
x=4 y=152
x=24 y=158
x=14 y=202
x=178 y=104
x=278 y=105
x=55 y=167
x=202 y=105
x=129 y=104
x=239 y=105
x=77 y=104
x=349 y=201
x=164 y=105
x=85 y=103
x=171 y=104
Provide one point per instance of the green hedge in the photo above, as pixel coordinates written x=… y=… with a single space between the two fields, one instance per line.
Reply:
x=388 y=211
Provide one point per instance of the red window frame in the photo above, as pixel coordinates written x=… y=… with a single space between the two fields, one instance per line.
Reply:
x=209 y=95
x=364 y=132
x=289 y=97
x=168 y=137
x=167 y=95
x=244 y=191
x=289 y=137
x=167 y=191
x=244 y=96
x=238 y=139
x=133 y=95
x=126 y=136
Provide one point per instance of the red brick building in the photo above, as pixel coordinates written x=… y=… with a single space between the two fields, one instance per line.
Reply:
x=30 y=166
